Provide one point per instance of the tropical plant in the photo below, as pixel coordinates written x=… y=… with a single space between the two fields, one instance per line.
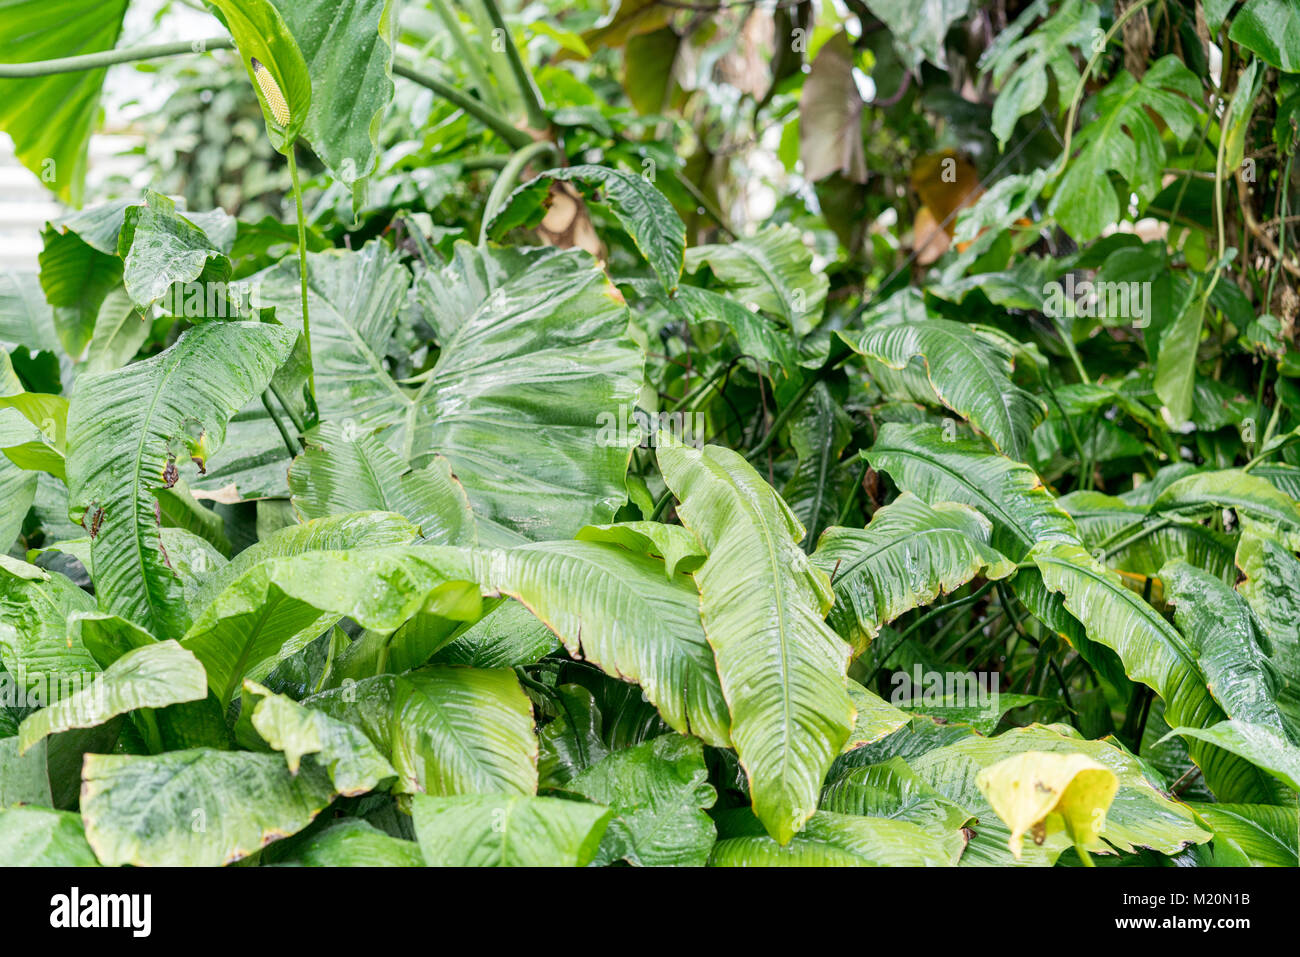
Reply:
x=609 y=456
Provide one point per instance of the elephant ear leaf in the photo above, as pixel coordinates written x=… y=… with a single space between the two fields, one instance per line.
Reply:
x=50 y=118
x=131 y=431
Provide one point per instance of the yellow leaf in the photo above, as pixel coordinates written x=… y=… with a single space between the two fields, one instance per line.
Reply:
x=1041 y=792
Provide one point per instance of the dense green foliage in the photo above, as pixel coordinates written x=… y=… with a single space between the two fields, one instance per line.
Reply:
x=858 y=433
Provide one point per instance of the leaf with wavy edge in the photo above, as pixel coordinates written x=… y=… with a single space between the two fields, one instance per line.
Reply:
x=151 y=676
x=279 y=605
x=502 y=830
x=829 y=839
x=446 y=729
x=907 y=556
x=354 y=764
x=1261 y=746
x=342 y=472
x=198 y=807
x=762 y=601
x=125 y=428
x=620 y=611
x=1152 y=651
x=969 y=374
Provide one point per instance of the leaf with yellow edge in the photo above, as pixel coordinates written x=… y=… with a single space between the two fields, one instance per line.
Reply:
x=1040 y=792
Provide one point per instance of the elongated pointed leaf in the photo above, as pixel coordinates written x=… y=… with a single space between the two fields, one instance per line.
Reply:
x=127 y=428
x=1152 y=652
x=348 y=52
x=782 y=669
x=969 y=373
x=905 y=558
x=152 y=676
x=621 y=612
x=1261 y=746
x=40 y=837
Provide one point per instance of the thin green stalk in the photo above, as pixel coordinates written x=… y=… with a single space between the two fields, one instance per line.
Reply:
x=782 y=418
x=1077 y=98
x=1284 y=190
x=469 y=56
x=290 y=445
x=302 y=268
x=509 y=179
x=94 y=61
x=490 y=118
x=1135 y=537
x=661 y=506
x=288 y=409
x=927 y=617
x=853 y=495
x=533 y=105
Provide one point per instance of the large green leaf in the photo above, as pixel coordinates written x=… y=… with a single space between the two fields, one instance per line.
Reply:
x=1252 y=835
x=621 y=612
x=818 y=435
x=50 y=118
x=1264 y=748
x=829 y=839
x=39 y=837
x=160 y=247
x=657 y=791
x=906 y=557
x=921 y=460
x=342 y=472
x=35 y=646
x=445 y=729
x=1222 y=632
x=968 y=372
x=782 y=669
x=641 y=209
x=195 y=808
x=892 y=789
x=1019 y=60
x=524 y=392
x=1271 y=29
x=771 y=271
x=279 y=605
x=1251 y=495
x=500 y=830
x=1123 y=137
x=348 y=50
x=127 y=429
x=152 y=676
x=533 y=360
x=1153 y=653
